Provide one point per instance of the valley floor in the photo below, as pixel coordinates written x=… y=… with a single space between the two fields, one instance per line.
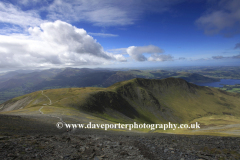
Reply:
x=18 y=141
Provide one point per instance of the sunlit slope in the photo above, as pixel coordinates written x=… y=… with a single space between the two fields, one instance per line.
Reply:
x=141 y=100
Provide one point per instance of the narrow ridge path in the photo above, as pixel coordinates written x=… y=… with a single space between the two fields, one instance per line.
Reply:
x=50 y=103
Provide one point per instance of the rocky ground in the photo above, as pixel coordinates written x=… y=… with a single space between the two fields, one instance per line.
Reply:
x=44 y=142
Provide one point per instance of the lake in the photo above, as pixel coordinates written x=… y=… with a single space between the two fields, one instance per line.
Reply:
x=221 y=83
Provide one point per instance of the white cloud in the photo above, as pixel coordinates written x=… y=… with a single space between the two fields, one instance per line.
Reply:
x=75 y=39
x=99 y=13
x=53 y=44
x=160 y=57
x=105 y=12
x=225 y=19
x=14 y=15
x=137 y=52
x=120 y=58
x=119 y=50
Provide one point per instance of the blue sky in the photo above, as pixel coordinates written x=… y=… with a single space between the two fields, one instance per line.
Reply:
x=107 y=33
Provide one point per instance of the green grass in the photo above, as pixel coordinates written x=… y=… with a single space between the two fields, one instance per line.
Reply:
x=142 y=101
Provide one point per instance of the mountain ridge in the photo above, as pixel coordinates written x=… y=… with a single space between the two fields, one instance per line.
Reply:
x=141 y=100
x=17 y=84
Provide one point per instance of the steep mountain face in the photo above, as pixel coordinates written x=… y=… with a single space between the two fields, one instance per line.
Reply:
x=154 y=101
x=141 y=100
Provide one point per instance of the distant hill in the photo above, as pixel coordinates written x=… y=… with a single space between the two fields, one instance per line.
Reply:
x=195 y=78
x=141 y=100
x=15 y=84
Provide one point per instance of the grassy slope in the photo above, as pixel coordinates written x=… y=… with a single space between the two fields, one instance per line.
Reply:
x=138 y=97
x=141 y=100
